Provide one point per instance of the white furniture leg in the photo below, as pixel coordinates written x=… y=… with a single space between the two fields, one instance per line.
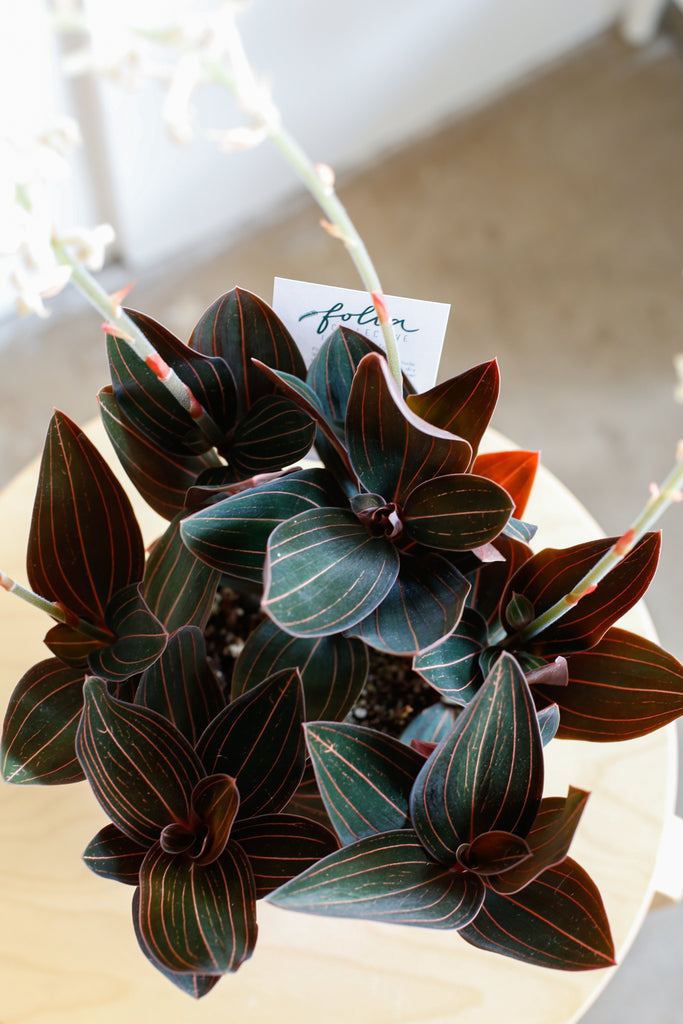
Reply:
x=668 y=876
x=640 y=19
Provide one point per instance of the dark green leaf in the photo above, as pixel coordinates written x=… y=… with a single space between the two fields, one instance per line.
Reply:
x=258 y=741
x=431 y=725
x=297 y=390
x=181 y=685
x=519 y=611
x=113 y=854
x=140 y=637
x=333 y=669
x=488 y=773
x=623 y=687
x=515 y=471
x=141 y=769
x=324 y=572
x=84 y=544
x=162 y=478
x=549 y=840
x=195 y=985
x=424 y=605
x=391 y=449
x=558 y=921
x=458 y=512
x=552 y=574
x=274 y=433
x=462 y=405
x=327 y=440
x=331 y=372
x=171 y=561
x=517 y=530
x=197 y=918
x=364 y=778
x=238 y=327
x=387 y=877
x=217 y=483
x=280 y=846
x=232 y=535
x=452 y=667
x=307 y=802
x=549 y=723
x=40 y=725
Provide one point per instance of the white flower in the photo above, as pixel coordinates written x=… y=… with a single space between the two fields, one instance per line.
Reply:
x=32 y=287
x=88 y=244
x=29 y=167
x=236 y=140
x=177 y=109
x=200 y=43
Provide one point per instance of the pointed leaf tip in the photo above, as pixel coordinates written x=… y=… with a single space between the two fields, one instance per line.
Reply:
x=141 y=769
x=487 y=774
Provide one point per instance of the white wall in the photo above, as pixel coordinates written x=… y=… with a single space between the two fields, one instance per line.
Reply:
x=352 y=78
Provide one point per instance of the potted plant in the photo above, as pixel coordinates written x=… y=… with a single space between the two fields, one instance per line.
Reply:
x=229 y=780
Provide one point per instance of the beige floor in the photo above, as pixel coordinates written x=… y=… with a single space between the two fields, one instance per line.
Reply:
x=552 y=221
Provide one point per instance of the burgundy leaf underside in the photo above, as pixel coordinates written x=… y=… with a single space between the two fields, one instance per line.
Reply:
x=392 y=449
x=625 y=686
x=239 y=326
x=141 y=769
x=462 y=405
x=551 y=574
x=558 y=921
x=84 y=543
x=514 y=471
x=549 y=840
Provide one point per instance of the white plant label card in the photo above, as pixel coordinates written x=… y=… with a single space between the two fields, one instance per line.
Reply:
x=310 y=312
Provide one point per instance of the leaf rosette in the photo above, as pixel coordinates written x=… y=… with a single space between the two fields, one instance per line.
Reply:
x=460 y=839
x=383 y=565
x=197 y=828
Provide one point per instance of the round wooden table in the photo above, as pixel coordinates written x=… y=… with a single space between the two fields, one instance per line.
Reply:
x=67 y=950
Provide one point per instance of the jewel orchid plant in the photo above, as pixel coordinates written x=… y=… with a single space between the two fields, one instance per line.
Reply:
x=397 y=539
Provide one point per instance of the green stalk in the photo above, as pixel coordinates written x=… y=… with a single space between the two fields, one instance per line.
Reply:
x=239 y=78
x=345 y=230
x=669 y=492
x=53 y=609
x=128 y=330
